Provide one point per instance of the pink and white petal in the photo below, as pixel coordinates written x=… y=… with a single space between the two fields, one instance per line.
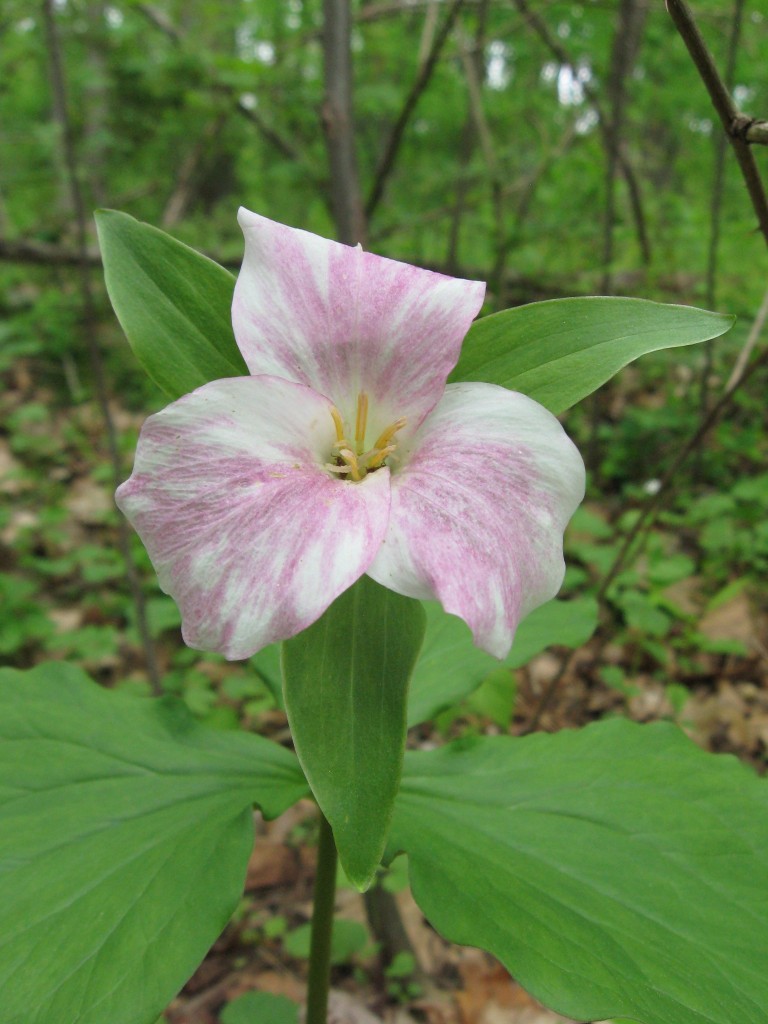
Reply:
x=246 y=530
x=478 y=510
x=342 y=320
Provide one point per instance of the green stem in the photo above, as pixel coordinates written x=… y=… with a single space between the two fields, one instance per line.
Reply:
x=322 y=927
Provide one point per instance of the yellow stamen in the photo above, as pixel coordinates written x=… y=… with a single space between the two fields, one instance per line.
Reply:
x=386 y=435
x=351 y=460
x=338 y=422
x=362 y=420
x=376 y=458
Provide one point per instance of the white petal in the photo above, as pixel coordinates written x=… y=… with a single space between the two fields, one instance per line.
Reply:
x=478 y=510
x=247 y=531
x=342 y=320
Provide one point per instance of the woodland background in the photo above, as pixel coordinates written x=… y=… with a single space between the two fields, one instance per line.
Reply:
x=552 y=149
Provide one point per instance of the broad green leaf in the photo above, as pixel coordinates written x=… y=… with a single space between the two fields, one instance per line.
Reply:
x=561 y=350
x=450 y=666
x=266 y=664
x=616 y=871
x=347 y=939
x=260 y=1008
x=172 y=302
x=345 y=684
x=556 y=623
x=125 y=830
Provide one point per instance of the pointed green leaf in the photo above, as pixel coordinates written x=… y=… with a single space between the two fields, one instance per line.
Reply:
x=173 y=303
x=561 y=350
x=450 y=666
x=345 y=683
x=125 y=830
x=616 y=871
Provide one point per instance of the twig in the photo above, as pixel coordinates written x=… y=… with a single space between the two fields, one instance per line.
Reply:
x=633 y=186
x=716 y=206
x=719 y=171
x=271 y=135
x=740 y=375
x=473 y=73
x=182 y=193
x=58 y=88
x=721 y=100
x=751 y=129
x=338 y=123
x=626 y=43
x=46 y=254
x=392 y=146
x=740 y=366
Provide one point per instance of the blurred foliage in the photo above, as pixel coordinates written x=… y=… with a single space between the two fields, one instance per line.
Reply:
x=181 y=112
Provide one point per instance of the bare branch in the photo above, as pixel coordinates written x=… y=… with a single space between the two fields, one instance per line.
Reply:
x=626 y=44
x=751 y=129
x=742 y=371
x=58 y=88
x=721 y=100
x=338 y=122
x=46 y=254
x=420 y=83
x=560 y=53
x=271 y=135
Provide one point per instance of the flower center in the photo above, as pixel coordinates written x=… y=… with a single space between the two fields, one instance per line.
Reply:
x=350 y=459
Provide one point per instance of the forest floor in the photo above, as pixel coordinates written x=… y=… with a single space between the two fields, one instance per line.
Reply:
x=62 y=581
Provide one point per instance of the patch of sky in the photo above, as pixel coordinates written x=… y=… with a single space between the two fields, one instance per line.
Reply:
x=498 y=72
x=700 y=125
x=549 y=71
x=742 y=94
x=250 y=48
x=113 y=17
x=586 y=122
x=570 y=84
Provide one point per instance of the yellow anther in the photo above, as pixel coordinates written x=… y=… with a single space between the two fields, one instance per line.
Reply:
x=338 y=422
x=386 y=435
x=377 y=457
x=350 y=459
x=362 y=420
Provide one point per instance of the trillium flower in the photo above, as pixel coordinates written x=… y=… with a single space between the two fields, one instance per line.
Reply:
x=260 y=499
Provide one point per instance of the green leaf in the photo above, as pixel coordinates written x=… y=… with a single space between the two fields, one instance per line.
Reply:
x=172 y=302
x=450 y=666
x=345 y=685
x=562 y=623
x=125 y=831
x=617 y=870
x=561 y=350
x=495 y=697
x=260 y=1008
x=347 y=939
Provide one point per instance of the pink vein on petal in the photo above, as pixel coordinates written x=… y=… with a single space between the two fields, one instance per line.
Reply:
x=343 y=320
x=479 y=508
x=246 y=530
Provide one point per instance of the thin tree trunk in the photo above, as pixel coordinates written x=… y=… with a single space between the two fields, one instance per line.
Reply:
x=338 y=122
x=88 y=306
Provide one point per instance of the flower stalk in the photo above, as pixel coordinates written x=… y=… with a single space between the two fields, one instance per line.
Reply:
x=322 y=927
